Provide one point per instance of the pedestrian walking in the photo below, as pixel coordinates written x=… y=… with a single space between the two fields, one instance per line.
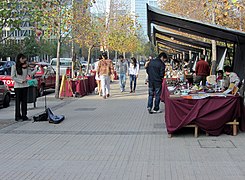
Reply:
x=19 y=74
x=146 y=65
x=122 y=69
x=155 y=71
x=133 y=72
x=97 y=78
x=105 y=70
x=202 y=71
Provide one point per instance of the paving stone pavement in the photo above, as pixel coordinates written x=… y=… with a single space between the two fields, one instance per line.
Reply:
x=112 y=139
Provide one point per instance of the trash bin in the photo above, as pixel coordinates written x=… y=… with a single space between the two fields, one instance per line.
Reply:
x=32 y=92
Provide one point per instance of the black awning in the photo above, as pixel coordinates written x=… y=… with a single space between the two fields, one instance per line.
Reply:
x=172 y=44
x=219 y=33
x=167 y=48
x=198 y=28
x=180 y=38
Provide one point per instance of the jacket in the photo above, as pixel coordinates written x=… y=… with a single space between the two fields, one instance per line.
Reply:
x=155 y=70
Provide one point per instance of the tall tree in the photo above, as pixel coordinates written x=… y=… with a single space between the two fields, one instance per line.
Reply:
x=122 y=28
x=87 y=29
x=54 y=18
x=11 y=16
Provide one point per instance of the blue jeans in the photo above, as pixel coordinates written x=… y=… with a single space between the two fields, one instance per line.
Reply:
x=132 y=79
x=154 y=90
x=122 y=81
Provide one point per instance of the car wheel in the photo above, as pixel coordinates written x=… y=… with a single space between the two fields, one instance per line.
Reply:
x=41 y=90
x=6 y=100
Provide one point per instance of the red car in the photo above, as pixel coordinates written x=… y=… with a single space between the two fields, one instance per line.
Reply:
x=43 y=83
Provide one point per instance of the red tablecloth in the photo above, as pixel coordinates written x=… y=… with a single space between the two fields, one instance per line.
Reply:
x=80 y=87
x=210 y=114
x=71 y=87
x=91 y=84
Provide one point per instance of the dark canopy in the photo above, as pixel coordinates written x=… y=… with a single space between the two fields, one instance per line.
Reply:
x=177 y=48
x=198 y=28
x=180 y=38
x=172 y=44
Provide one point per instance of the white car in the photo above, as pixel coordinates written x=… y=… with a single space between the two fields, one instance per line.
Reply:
x=64 y=64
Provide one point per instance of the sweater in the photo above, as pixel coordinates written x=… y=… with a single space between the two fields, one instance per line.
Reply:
x=202 y=68
x=18 y=79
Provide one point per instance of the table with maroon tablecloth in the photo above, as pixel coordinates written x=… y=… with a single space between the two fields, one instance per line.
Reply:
x=80 y=87
x=209 y=114
x=91 y=83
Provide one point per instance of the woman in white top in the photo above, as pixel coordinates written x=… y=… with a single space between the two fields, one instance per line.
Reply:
x=97 y=78
x=133 y=72
x=19 y=74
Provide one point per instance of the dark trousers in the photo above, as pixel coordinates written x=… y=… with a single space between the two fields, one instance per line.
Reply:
x=132 y=79
x=155 y=89
x=20 y=100
x=201 y=78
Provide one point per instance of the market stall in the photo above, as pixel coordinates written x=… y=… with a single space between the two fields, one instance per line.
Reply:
x=209 y=111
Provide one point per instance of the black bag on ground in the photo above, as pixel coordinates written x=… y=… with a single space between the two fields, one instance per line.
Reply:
x=41 y=117
x=56 y=119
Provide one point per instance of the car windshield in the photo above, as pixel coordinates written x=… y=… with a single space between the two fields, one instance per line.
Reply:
x=62 y=63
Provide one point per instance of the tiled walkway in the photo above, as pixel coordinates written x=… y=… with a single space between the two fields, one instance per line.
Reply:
x=113 y=139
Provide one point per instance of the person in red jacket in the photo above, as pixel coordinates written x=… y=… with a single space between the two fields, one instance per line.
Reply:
x=202 y=71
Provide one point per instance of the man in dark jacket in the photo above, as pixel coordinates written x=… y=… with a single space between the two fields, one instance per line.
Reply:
x=155 y=71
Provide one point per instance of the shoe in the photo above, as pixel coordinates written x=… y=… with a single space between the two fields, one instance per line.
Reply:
x=158 y=111
x=25 y=118
x=108 y=95
x=149 y=110
x=104 y=97
x=18 y=119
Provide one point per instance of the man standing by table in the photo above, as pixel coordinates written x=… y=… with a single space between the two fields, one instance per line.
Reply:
x=155 y=71
x=202 y=71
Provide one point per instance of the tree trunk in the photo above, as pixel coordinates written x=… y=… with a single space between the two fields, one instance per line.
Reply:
x=89 y=57
x=57 y=79
x=213 y=65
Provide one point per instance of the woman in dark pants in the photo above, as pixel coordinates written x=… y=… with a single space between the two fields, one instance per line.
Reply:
x=19 y=74
x=133 y=72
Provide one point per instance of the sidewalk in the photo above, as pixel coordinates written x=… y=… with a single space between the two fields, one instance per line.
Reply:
x=112 y=139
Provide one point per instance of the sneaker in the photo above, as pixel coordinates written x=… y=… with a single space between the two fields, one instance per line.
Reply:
x=104 y=97
x=149 y=110
x=158 y=111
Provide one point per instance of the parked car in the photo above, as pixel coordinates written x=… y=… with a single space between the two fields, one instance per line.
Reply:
x=5 y=67
x=64 y=64
x=5 y=95
x=45 y=76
